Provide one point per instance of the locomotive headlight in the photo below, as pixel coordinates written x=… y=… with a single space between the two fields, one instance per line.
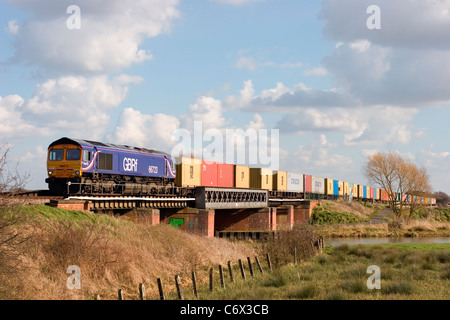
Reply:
x=50 y=172
x=77 y=173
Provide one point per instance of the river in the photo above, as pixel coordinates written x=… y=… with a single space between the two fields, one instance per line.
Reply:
x=350 y=241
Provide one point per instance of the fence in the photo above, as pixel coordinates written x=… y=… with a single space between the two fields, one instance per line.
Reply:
x=302 y=252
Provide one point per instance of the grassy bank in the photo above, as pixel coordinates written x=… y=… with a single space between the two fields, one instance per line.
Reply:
x=341 y=219
x=112 y=253
x=407 y=272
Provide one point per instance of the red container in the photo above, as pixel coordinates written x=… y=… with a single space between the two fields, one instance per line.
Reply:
x=307 y=183
x=384 y=195
x=209 y=174
x=225 y=175
x=371 y=193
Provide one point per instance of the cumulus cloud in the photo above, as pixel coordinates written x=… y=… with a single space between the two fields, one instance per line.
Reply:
x=144 y=130
x=404 y=23
x=378 y=125
x=12 y=124
x=108 y=40
x=73 y=104
x=317 y=158
x=282 y=98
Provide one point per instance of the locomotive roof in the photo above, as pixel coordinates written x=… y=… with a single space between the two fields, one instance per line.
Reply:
x=81 y=142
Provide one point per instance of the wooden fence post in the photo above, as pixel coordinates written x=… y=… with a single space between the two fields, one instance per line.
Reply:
x=194 y=284
x=268 y=261
x=242 y=269
x=141 y=291
x=179 y=290
x=120 y=294
x=230 y=269
x=211 y=280
x=222 y=279
x=295 y=255
x=259 y=265
x=250 y=266
x=160 y=288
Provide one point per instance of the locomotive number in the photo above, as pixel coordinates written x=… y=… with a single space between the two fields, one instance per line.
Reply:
x=152 y=169
x=130 y=164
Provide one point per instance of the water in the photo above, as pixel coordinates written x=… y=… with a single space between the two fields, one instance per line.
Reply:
x=351 y=241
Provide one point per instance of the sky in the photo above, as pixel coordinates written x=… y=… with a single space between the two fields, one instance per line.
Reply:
x=338 y=79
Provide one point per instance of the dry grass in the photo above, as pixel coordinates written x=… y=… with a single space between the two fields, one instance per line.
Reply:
x=111 y=253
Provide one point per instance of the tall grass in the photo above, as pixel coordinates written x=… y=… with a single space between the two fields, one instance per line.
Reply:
x=112 y=253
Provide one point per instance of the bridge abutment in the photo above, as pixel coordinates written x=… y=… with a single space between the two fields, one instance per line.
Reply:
x=191 y=220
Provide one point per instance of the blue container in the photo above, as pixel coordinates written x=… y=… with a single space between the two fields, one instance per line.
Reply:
x=336 y=187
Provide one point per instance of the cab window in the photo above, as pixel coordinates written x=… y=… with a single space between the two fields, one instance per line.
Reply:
x=86 y=155
x=56 y=154
x=73 y=154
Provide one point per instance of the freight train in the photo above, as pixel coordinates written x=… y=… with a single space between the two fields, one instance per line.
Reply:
x=88 y=167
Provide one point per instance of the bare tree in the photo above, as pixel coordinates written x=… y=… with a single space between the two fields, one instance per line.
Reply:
x=10 y=238
x=397 y=175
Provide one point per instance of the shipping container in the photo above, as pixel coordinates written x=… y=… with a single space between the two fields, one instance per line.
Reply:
x=280 y=181
x=375 y=193
x=225 y=175
x=189 y=172
x=346 y=189
x=209 y=174
x=365 y=192
x=336 y=187
x=307 y=183
x=360 y=191
x=384 y=195
x=355 y=190
x=351 y=187
x=294 y=182
x=261 y=178
x=241 y=176
x=403 y=197
x=329 y=186
x=318 y=185
x=341 y=188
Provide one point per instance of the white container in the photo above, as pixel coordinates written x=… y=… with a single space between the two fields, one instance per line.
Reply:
x=294 y=182
x=318 y=185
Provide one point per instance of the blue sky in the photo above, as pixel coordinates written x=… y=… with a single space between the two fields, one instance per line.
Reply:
x=136 y=71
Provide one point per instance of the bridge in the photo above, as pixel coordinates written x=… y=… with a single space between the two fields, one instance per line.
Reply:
x=221 y=212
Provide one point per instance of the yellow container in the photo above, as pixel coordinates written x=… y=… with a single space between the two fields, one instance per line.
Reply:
x=241 y=176
x=328 y=186
x=280 y=181
x=189 y=172
x=346 y=189
x=360 y=191
x=341 y=188
x=261 y=178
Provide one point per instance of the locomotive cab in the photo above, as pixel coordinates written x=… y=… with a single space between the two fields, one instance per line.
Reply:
x=63 y=165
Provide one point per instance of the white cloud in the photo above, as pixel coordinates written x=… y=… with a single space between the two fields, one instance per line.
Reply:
x=108 y=41
x=145 y=130
x=76 y=104
x=282 y=98
x=317 y=159
x=12 y=124
x=318 y=72
x=13 y=27
x=404 y=23
x=207 y=110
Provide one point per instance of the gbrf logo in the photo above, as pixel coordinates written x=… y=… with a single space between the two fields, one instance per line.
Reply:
x=130 y=164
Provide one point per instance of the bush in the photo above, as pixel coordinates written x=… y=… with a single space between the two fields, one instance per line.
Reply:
x=401 y=287
x=282 y=249
x=305 y=292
